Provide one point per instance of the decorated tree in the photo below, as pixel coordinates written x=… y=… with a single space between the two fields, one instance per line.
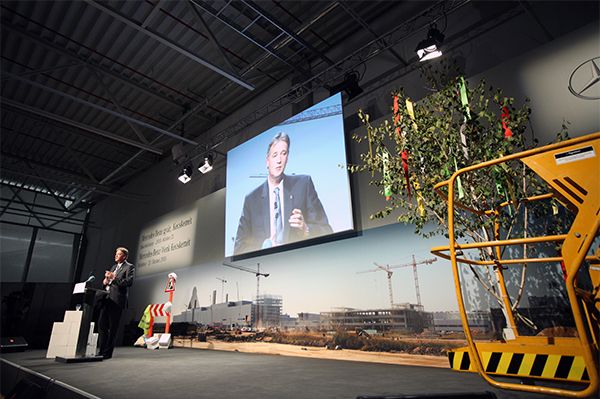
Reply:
x=425 y=142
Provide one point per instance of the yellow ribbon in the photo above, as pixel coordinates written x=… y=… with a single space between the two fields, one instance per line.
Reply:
x=420 y=203
x=411 y=114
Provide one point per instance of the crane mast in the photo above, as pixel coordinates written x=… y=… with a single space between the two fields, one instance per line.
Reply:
x=258 y=274
x=388 y=269
x=389 y=273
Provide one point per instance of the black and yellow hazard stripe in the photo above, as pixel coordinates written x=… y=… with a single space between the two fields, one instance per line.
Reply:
x=555 y=367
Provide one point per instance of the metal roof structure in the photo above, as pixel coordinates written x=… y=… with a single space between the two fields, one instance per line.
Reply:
x=95 y=92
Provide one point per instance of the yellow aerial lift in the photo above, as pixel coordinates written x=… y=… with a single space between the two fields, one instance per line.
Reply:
x=564 y=365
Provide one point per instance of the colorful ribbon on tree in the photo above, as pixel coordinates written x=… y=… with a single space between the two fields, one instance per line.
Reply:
x=411 y=114
x=505 y=117
x=387 y=178
x=404 y=154
x=420 y=202
x=406 y=176
x=397 y=115
x=465 y=103
x=464 y=100
x=459 y=186
x=463 y=97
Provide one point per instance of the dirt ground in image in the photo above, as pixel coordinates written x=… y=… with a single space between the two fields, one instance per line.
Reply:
x=316 y=352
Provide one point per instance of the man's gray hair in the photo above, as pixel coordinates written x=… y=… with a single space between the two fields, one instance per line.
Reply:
x=281 y=136
x=124 y=250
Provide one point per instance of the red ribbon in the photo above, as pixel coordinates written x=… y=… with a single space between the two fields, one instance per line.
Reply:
x=396 y=115
x=405 y=167
x=505 y=119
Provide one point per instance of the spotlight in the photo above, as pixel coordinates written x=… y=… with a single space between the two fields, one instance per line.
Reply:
x=429 y=48
x=186 y=174
x=207 y=166
x=349 y=85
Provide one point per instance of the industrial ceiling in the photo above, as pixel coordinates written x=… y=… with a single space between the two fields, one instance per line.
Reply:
x=96 y=92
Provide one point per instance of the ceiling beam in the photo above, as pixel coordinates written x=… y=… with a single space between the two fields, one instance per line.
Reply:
x=273 y=21
x=76 y=185
x=211 y=36
x=9 y=201
x=81 y=165
x=525 y=4
x=65 y=143
x=48 y=189
x=249 y=68
x=114 y=101
x=148 y=20
x=33 y=168
x=87 y=61
x=34 y=205
x=44 y=70
x=21 y=185
x=332 y=73
x=211 y=12
x=79 y=125
x=368 y=28
x=41 y=216
x=103 y=109
x=67 y=218
x=170 y=44
x=31 y=211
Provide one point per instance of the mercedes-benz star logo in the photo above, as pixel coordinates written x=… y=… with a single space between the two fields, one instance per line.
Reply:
x=583 y=82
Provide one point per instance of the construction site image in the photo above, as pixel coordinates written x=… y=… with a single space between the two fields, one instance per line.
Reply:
x=535 y=266
x=527 y=285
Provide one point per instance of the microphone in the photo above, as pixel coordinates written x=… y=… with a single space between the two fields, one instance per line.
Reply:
x=90 y=279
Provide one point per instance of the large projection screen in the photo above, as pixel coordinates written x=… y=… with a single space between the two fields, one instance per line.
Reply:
x=317 y=154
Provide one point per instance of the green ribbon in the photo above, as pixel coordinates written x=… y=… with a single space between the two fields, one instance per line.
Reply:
x=461 y=191
x=387 y=178
x=463 y=96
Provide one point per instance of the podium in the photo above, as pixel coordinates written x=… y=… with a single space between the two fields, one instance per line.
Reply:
x=73 y=339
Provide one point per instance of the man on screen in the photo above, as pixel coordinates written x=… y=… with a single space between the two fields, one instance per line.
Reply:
x=284 y=209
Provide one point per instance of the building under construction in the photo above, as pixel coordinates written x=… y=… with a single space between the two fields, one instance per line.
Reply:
x=267 y=311
x=407 y=318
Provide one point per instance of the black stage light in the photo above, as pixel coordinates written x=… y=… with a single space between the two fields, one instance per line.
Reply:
x=430 y=48
x=349 y=85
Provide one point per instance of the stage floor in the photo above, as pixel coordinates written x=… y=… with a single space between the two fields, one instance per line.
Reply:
x=196 y=373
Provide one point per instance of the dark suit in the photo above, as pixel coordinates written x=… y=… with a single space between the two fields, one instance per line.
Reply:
x=112 y=306
x=255 y=222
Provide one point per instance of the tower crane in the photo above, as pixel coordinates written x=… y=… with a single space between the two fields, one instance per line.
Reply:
x=414 y=266
x=388 y=269
x=257 y=273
